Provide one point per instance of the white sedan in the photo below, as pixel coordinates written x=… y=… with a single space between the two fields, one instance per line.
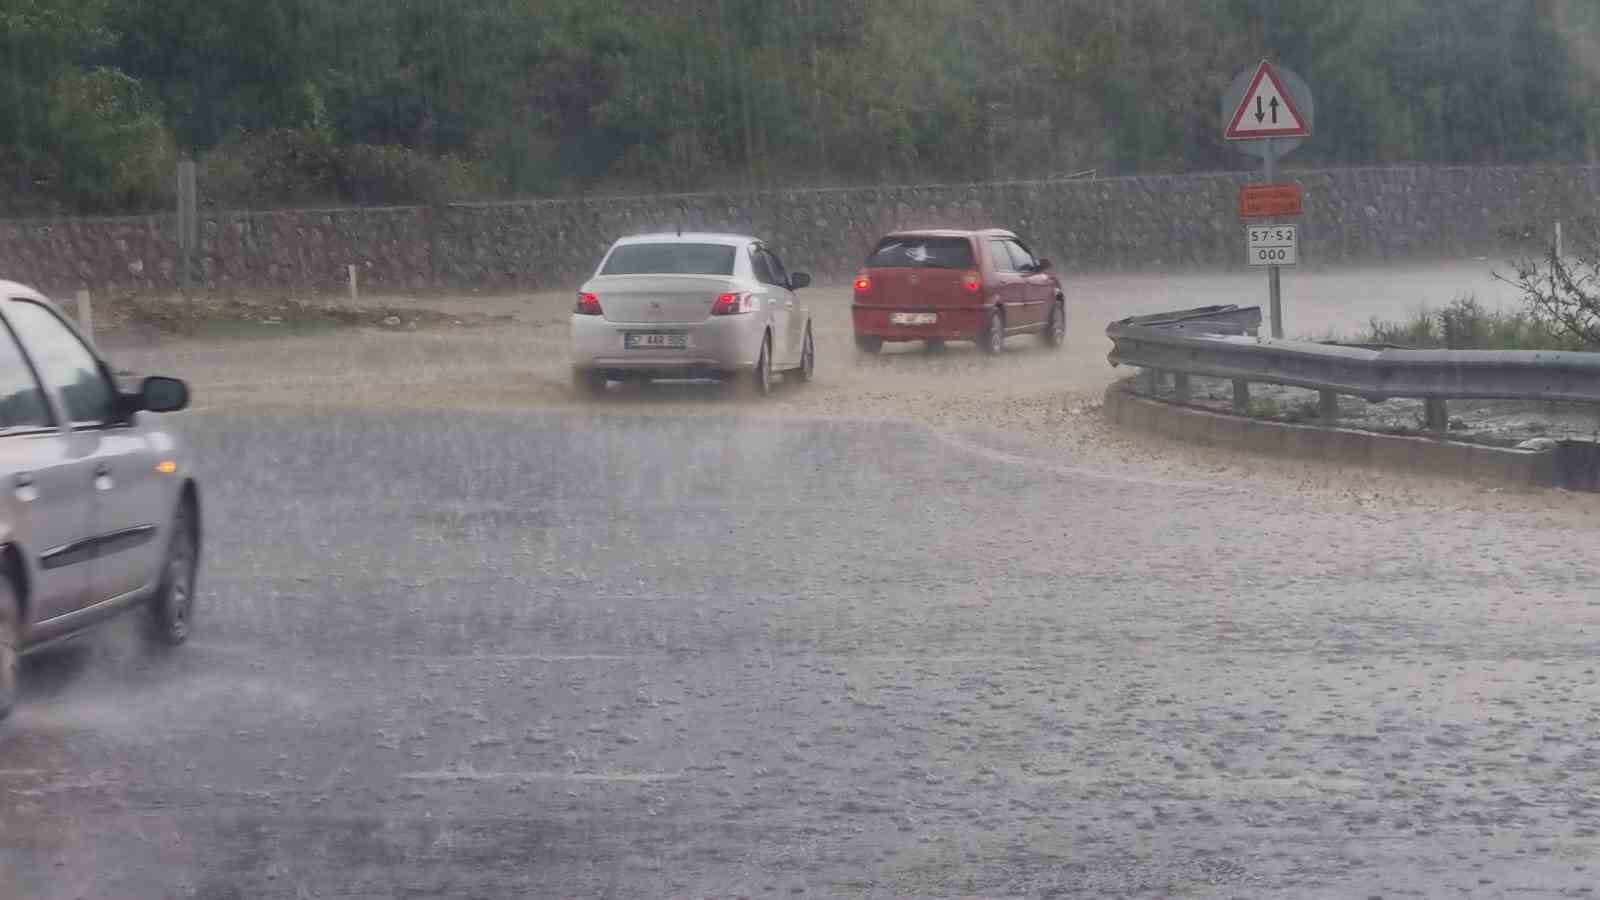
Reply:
x=691 y=306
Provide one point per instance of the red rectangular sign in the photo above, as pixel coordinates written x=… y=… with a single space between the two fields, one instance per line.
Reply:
x=1258 y=201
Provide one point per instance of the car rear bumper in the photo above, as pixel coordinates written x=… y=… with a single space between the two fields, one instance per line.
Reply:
x=717 y=345
x=956 y=323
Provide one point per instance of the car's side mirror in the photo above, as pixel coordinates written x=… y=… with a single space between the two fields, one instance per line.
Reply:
x=1043 y=266
x=798 y=280
x=161 y=394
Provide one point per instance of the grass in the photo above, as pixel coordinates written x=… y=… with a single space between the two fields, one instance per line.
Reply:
x=1466 y=325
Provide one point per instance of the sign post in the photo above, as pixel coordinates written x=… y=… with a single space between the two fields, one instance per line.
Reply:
x=1268 y=112
x=188 y=230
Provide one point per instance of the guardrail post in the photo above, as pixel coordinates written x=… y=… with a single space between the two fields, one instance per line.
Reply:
x=1438 y=415
x=1327 y=404
x=1180 y=386
x=1241 y=395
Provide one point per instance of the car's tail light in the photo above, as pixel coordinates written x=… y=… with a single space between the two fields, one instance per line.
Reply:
x=863 y=284
x=588 y=304
x=733 y=304
x=971 y=283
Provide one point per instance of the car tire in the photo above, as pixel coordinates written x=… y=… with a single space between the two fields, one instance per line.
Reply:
x=994 y=333
x=808 y=357
x=934 y=345
x=868 y=344
x=1055 y=330
x=10 y=646
x=171 y=608
x=759 y=381
x=589 y=382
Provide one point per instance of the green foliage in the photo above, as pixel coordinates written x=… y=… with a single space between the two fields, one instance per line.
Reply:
x=288 y=167
x=1466 y=325
x=1561 y=286
x=385 y=101
x=110 y=145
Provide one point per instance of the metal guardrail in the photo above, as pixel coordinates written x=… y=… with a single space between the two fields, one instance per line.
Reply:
x=1215 y=341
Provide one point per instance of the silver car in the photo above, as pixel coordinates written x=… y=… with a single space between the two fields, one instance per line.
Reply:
x=691 y=306
x=100 y=511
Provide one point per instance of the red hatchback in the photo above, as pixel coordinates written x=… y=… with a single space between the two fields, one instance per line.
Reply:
x=941 y=285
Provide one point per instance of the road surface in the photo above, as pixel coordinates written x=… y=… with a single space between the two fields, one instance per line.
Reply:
x=924 y=629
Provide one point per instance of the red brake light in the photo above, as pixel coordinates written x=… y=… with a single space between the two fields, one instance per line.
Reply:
x=733 y=304
x=863 y=284
x=971 y=283
x=588 y=304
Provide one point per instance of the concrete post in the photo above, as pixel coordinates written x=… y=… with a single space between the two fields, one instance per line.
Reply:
x=86 y=315
x=1241 y=396
x=1154 y=382
x=1327 y=404
x=1438 y=416
x=1180 y=387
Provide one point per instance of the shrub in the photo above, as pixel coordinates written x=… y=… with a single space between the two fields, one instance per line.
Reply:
x=284 y=167
x=1466 y=325
x=1562 y=290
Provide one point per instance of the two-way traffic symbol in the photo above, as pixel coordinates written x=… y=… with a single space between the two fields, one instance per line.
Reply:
x=1266 y=111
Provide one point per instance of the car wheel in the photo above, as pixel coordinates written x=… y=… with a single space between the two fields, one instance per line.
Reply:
x=808 y=357
x=994 y=333
x=589 y=382
x=1055 y=332
x=934 y=345
x=761 y=379
x=868 y=344
x=10 y=645
x=172 y=607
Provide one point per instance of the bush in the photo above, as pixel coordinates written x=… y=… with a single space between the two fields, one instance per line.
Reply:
x=289 y=167
x=278 y=167
x=1562 y=288
x=1466 y=325
x=107 y=150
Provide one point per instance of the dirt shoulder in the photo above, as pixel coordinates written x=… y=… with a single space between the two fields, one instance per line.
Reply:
x=1031 y=406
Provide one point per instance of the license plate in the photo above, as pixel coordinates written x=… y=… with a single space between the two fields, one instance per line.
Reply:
x=913 y=318
x=655 y=340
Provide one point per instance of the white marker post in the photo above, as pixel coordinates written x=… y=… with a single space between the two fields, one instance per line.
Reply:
x=85 y=315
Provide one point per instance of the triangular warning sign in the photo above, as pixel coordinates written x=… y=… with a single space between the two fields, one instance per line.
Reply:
x=1267 y=110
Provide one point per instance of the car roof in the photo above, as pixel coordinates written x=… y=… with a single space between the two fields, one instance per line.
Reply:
x=952 y=232
x=17 y=289
x=689 y=237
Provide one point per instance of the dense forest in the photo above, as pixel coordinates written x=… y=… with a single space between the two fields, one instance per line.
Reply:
x=390 y=101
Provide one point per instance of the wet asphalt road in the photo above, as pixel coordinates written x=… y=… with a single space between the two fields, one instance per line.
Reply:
x=607 y=654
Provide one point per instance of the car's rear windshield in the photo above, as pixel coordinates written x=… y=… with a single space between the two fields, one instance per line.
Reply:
x=670 y=259
x=923 y=253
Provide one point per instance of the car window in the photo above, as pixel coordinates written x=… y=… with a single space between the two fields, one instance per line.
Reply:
x=22 y=402
x=1020 y=255
x=63 y=362
x=780 y=275
x=758 y=265
x=670 y=259
x=922 y=253
x=1000 y=257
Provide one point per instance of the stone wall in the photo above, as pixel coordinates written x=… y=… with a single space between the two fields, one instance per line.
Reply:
x=1113 y=223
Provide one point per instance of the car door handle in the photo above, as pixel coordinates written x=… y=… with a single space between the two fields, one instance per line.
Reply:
x=102 y=478
x=25 y=491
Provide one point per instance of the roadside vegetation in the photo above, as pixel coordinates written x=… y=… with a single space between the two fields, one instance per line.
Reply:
x=1560 y=305
x=288 y=102
x=1466 y=324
